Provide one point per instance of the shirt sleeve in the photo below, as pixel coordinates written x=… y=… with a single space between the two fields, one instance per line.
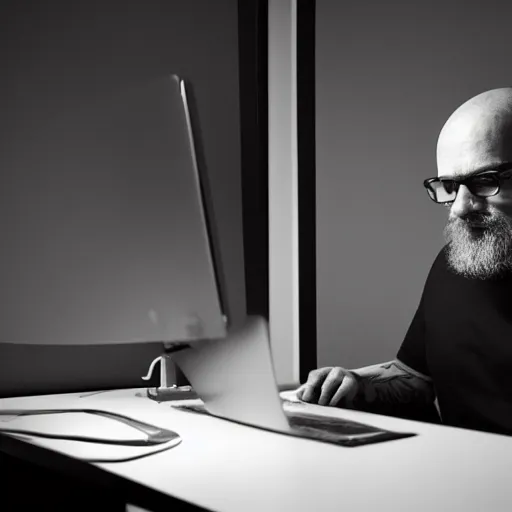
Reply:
x=412 y=350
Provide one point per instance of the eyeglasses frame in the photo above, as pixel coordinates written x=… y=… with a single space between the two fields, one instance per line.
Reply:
x=498 y=172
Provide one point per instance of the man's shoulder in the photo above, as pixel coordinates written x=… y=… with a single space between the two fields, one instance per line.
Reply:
x=441 y=256
x=439 y=264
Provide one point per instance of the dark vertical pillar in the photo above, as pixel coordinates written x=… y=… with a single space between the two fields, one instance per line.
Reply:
x=306 y=185
x=253 y=73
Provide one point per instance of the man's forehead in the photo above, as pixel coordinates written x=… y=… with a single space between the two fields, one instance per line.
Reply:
x=470 y=167
x=472 y=141
x=464 y=163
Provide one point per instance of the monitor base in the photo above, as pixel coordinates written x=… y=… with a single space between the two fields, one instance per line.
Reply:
x=173 y=393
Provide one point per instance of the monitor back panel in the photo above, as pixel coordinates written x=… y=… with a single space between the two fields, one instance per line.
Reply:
x=103 y=228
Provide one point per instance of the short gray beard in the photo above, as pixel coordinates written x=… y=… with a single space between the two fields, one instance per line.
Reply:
x=480 y=253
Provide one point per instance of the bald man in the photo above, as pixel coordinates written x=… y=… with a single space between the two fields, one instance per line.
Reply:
x=458 y=347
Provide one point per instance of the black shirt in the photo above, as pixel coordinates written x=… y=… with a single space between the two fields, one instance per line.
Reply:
x=461 y=336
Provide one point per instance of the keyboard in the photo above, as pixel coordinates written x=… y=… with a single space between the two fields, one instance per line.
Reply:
x=339 y=431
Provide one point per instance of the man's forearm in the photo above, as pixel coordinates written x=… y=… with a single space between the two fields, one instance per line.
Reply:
x=394 y=389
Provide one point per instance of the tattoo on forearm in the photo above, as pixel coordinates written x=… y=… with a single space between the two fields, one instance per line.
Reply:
x=390 y=383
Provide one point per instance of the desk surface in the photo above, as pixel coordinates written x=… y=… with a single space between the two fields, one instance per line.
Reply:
x=228 y=467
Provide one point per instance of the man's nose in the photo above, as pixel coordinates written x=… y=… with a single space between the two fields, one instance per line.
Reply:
x=466 y=202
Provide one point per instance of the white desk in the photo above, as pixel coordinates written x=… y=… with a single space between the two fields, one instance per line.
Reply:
x=224 y=466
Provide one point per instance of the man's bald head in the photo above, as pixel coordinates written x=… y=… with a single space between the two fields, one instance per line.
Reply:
x=478 y=134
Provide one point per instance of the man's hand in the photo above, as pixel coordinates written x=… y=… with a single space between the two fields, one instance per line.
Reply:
x=391 y=389
x=330 y=386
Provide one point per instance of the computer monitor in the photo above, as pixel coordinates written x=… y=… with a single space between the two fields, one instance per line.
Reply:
x=104 y=229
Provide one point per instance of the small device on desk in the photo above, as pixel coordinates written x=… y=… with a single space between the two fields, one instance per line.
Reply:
x=168 y=391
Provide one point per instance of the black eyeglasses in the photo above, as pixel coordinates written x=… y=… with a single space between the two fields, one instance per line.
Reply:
x=484 y=184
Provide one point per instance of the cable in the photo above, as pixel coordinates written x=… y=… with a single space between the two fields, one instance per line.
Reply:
x=155 y=435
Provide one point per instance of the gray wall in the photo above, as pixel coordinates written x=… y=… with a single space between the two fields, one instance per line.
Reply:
x=388 y=76
x=53 y=56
